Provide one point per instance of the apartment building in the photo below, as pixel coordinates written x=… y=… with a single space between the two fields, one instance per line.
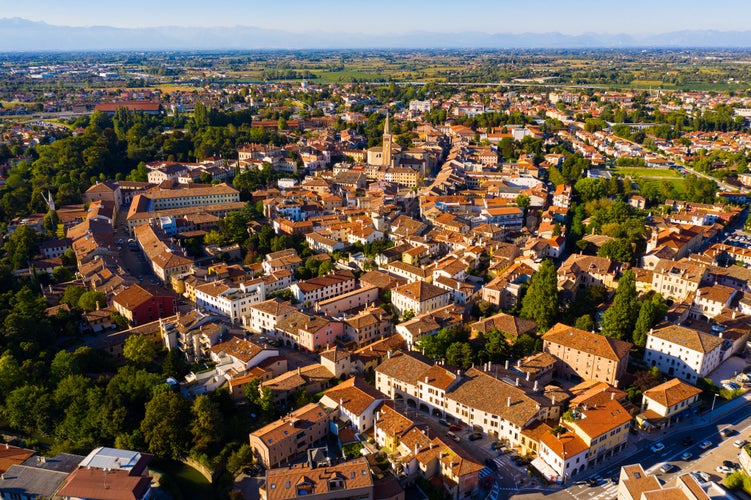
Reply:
x=355 y=299
x=310 y=332
x=367 y=326
x=264 y=316
x=678 y=279
x=680 y=352
x=356 y=401
x=419 y=297
x=230 y=300
x=587 y=355
x=324 y=287
x=291 y=435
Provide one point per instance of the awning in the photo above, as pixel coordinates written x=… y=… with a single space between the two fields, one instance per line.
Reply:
x=546 y=470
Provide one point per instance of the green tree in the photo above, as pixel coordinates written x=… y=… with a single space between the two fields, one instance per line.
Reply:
x=459 y=354
x=174 y=365
x=207 y=425
x=240 y=458
x=21 y=246
x=139 y=350
x=92 y=300
x=540 y=304
x=643 y=323
x=72 y=295
x=619 y=320
x=585 y=322
x=166 y=425
x=30 y=409
x=496 y=346
x=523 y=202
x=620 y=250
x=64 y=364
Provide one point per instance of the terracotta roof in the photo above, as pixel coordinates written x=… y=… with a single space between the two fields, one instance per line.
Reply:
x=284 y=482
x=403 y=367
x=602 y=418
x=89 y=483
x=637 y=481
x=13 y=455
x=567 y=442
x=671 y=392
x=419 y=291
x=505 y=323
x=355 y=395
x=588 y=342
x=391 y=422
x=241 y=349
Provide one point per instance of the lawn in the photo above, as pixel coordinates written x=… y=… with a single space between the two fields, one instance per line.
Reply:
x=182 y=481
x=645 y=172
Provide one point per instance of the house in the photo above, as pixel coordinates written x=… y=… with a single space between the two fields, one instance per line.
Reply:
x=665 y=402
x=284 y=259
x=264 y=316
x=389 y=426
x=508 y=325
x=319 y=243
x=141 y=304
x=356 y=401
x=291 y=435
x=345 y=480
x=37 y=477
x=419 y=297
x=310 y=332
x=681 y=352
x=587 y=355
x=369 y=325
x=310 y=379
x=124 y=472
x=241 y=352
x=635 y=484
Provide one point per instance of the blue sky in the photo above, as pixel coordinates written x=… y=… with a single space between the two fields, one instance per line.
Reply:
x=393 y=16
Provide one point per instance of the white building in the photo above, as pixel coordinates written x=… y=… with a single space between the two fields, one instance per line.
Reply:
x=230 y=300
x=684 y=353
x=419 y=297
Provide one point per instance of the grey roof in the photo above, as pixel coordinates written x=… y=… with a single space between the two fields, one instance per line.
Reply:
x=31 y=481
x=62 y=462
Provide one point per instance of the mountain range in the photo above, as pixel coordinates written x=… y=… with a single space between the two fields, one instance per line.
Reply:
x=21 y=35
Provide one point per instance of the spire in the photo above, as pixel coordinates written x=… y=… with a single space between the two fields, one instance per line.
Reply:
x=387 y=125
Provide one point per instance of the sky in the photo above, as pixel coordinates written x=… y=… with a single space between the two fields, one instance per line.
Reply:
x=574 y=17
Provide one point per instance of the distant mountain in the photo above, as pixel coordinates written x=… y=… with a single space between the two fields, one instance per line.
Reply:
x=20 y=35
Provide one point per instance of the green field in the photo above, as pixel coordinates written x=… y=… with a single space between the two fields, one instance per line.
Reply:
x=182 y=481
x=644 y=172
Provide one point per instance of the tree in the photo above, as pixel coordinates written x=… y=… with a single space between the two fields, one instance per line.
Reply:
x=459 y=354
x=266 y=402
x=174 y=365
x=62 y=274
x=619 y=250
x=64 y=364
x=165 y=425
x=206 y=427
x=240 y=458
x=540 y=304
x=139 y=350
x=523 y=202
x=585 y=322
x=643 y=323
x=29 y=408
x=72 y=295
x=92 y=300
x=21 y=246
x=619 y=320
x=496 y=346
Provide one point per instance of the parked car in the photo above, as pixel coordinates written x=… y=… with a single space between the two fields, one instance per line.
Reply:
x=687 y=456
x=475 y=436
x=592 y=482
x=727 y=431
x=455 y=427
x=730 y=464
x=667 y=468
x=496 y=445
x=722 y=469
x=700 y=476
x=740 y=443
x=657 y=447
x=453 y=436
x=705 y=445
x=443 y=422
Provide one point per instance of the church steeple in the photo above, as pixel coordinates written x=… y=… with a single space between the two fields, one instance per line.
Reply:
x=387 y=143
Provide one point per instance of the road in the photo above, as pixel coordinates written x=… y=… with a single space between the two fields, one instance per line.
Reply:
x=722 y=448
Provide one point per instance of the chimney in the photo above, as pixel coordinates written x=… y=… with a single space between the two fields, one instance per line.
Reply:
x=535 y=387
x=507 y=364
x=298 y=370
x=426 y=380
x=612 y=396
x=519 y=363
x=508 y=401
x=458 y=374
x=528 y=377
x=517 y=381
x=553 y=400
x=389 y=353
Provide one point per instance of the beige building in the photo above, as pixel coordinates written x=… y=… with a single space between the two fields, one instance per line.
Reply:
x=587 y=355
x=290 y=436
x=677 y=280
x=419 y=297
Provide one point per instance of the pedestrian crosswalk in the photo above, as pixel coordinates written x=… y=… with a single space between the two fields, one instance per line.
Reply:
x=609 y=490
x=493 y=495
x=485 y=473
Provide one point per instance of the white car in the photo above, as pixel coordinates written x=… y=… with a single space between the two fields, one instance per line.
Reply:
x=739 y=443
x=722 y=469
x=705 y=445
x=657 y=447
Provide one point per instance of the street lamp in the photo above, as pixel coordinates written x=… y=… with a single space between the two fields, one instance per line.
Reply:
x=713 y=400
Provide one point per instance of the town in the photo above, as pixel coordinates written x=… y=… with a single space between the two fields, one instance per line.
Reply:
x=361 y=289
